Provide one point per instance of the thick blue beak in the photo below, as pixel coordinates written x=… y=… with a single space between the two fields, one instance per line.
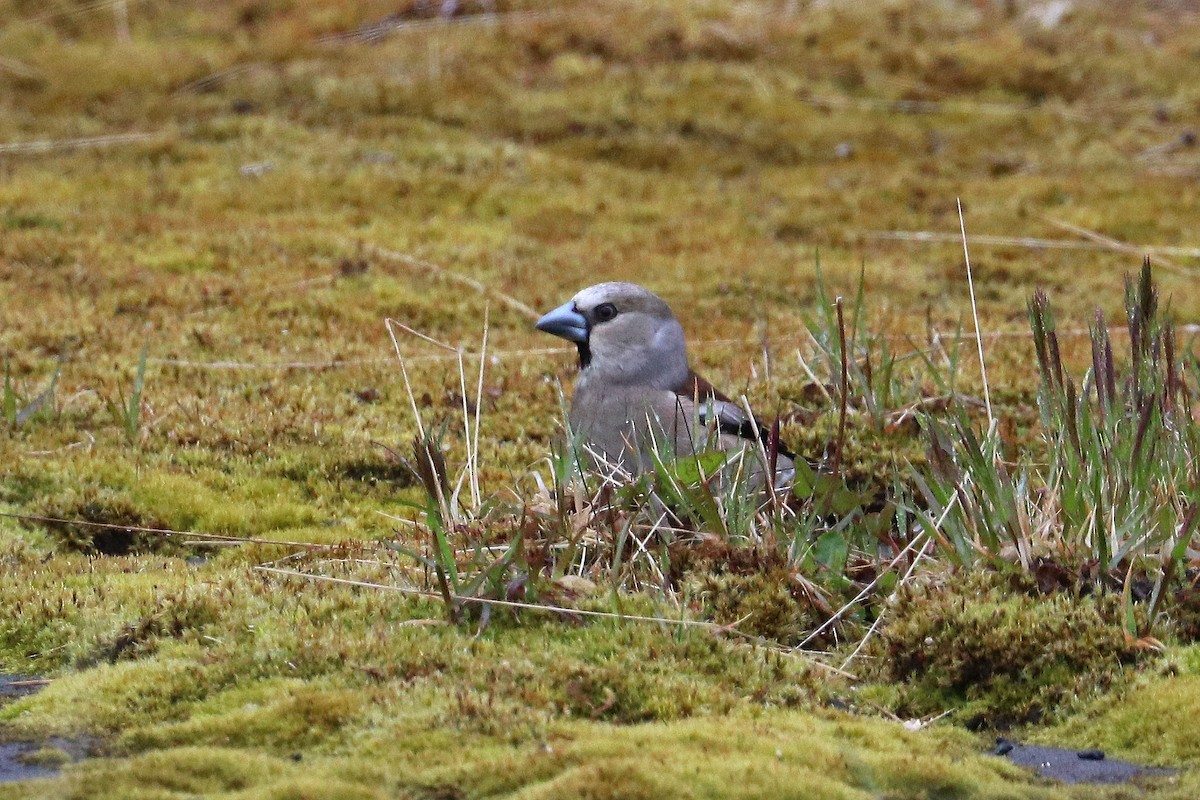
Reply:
x=566 y=322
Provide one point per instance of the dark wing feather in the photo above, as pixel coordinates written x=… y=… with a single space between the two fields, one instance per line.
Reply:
x=730 y=418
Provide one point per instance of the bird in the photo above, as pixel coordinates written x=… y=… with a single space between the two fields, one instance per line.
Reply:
x=637 y=393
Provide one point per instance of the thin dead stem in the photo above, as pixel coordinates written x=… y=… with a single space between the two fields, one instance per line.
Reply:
x=85 y=143
x=475 y=495
x=987 y=395
x=373 y=33
x=1116 y=245
x=1028 y=242
x=412 y=400
x=883 y=611
x=211 y=537
x=448 y=275
x=844 y=393
x=685 y=623
x=922 y=537
x=539 y=352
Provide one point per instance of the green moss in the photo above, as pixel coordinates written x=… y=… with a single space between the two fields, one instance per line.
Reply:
x=783 y=755
x=1182 y=611
x=49 y=756
x=1149 y=723
x=274 y=716
x=176 y=772
x=15 y=221
x=755 y=590
x=998 y=656
x=705 y=150
x=769 y=604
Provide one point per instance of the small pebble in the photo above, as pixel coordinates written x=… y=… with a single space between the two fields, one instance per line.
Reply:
x=256 y=170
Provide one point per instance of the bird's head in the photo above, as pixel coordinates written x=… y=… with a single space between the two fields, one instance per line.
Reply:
x=625 y=333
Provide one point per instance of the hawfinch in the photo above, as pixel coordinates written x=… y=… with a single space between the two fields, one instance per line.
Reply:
x=636 y=392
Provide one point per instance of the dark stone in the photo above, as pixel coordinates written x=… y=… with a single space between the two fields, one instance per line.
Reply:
x=14 y=686
x=1076 y=766
x=15 y=763
x=13 y=768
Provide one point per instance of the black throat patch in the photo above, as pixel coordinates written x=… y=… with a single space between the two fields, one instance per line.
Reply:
x=585 y=353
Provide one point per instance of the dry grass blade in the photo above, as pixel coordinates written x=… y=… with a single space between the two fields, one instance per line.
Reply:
x=470 y=437
x=214 y=79
x=548 y=609
x=812 y=377
x=212 y=537
x=277 y=365
x=473 y=465
x=883 y=611
x=456 y=351
x=391 y=324
x=86 y=444
x=369 y=34
x=1028 y=242
x=540 y=352
x=987 y=395
x=1109 y=243
x=922 y=538
x=445 y=274
x=20 y=69
x=51 y=145
x=82 y=8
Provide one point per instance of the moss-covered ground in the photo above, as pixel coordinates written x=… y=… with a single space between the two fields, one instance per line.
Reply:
x=278 y=182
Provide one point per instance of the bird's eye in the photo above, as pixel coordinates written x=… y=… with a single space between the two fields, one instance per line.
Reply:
x=605 y=311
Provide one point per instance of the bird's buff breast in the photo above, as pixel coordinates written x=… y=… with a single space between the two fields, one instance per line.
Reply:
x=626 y=425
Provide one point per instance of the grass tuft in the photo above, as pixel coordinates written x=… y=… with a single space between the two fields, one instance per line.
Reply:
x=1109 y=490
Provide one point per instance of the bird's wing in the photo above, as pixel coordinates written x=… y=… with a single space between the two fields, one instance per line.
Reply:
x=729 y=417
